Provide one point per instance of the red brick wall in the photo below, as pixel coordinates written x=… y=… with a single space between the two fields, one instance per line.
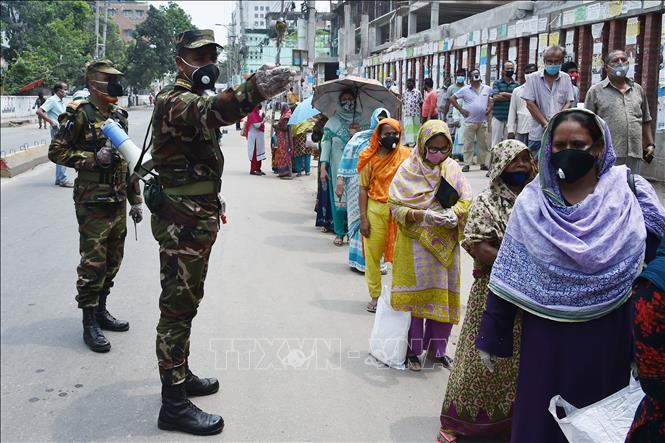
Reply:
x=522 y=57
x=584 y=58
x=617 y=35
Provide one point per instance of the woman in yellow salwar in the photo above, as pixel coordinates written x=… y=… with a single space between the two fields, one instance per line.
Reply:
x=426 y=267
x=377 y=165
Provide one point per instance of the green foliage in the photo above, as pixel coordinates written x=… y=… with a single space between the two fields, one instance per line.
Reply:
x=53 y=39
x=153 y=52
x=47 y=40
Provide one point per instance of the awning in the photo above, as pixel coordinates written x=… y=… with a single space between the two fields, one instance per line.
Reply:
x=31 y=85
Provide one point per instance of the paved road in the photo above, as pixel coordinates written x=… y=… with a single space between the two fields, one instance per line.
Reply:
x=277 y=289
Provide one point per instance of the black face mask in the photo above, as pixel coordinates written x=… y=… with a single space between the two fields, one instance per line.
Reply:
x=572 y=164
x=510 y=72
x=389 y=142
x=205 y=77
x=114 y=89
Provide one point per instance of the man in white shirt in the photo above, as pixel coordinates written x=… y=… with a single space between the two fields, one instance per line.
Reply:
x=50 y=111
x=519 y=117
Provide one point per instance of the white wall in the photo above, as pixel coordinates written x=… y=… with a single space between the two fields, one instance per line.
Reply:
x=20 y=106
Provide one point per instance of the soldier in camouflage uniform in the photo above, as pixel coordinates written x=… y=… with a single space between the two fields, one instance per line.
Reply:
x=186 y=214
x=100 y=193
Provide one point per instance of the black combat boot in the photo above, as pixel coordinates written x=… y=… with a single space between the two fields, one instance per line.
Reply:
x=105 y=320
x=195 y=386
x=179 y=414
x=92 y=335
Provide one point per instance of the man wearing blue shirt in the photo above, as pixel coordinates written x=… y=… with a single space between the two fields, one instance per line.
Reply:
x=50 y=111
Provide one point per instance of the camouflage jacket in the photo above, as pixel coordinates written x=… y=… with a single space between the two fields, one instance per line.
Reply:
x=75 y=144
x=186 y=148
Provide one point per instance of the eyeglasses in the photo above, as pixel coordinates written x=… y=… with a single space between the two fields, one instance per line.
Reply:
x=436 y=150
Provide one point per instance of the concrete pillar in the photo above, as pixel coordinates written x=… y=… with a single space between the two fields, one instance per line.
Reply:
x=434 y=15
x=364 y=35
x=413 y=23
x=350 y=31
x=397 y=28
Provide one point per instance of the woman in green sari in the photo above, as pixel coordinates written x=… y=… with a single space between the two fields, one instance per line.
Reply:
x=336 y=134
x=477 y=401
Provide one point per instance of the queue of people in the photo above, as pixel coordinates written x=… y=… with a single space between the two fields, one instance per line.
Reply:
x=557 y=238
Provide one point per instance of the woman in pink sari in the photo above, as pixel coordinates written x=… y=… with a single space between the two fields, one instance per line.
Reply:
x=256 y=148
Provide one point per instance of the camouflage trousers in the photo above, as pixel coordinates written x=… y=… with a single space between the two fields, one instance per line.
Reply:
x=183 y=260
x=102 y=232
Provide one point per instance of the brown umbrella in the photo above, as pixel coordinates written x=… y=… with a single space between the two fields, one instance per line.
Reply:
x=369 y=93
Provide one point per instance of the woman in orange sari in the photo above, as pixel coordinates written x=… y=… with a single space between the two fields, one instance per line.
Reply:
x=377 y=166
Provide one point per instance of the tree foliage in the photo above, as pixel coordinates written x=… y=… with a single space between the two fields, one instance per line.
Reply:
x=153 y=52
x=53 y=39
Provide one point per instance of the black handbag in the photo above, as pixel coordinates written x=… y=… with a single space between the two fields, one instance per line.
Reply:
x=446 y=194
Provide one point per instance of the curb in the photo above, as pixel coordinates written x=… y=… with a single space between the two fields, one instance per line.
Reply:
x=23 y=160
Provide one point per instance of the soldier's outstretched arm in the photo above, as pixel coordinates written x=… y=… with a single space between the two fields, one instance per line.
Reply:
x=67 y=145
x=231 y=105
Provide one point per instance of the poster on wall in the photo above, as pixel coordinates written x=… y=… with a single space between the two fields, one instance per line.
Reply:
x=533 y=49
x=570 y=47
x=597 y=58
x=632 y=31
x=542 y=45
x=493 y=64
x=453 y=67
x=512 y=54
x=465 y=58
x=482 y=65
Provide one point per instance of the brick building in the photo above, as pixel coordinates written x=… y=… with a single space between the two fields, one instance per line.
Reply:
x=127 y=14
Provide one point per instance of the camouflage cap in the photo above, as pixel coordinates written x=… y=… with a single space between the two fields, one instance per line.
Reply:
x=195 y=38
x=105 y=66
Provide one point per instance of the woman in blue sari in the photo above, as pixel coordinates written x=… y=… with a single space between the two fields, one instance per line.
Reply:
x=347 y=176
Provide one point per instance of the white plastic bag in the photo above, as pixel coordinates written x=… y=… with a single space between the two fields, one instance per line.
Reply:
x=606 y=421
x=388 y=342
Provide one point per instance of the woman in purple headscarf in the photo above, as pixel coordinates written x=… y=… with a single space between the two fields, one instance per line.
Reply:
x=577 y=237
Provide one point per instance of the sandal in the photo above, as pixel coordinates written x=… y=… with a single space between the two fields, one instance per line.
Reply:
x=445 y=437
x=371 y=306
x=413 y=363
x=339 y=240
x=444 y=361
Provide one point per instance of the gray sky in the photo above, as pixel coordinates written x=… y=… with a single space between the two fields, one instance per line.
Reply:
x=205 y=14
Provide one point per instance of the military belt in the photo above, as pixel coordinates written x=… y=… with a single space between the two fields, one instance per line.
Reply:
x=196 y=188
x=108 y=178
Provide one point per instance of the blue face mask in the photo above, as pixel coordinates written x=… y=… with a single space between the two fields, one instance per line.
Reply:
x=552 y=69
x=460 y=79
x=518 y=178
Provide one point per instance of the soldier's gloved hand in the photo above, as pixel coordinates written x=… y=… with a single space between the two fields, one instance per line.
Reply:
x=105 y=156
x=271 y=80
x=222 y=208
x=136 y=212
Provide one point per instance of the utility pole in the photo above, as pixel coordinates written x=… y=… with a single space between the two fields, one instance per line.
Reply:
x=279 y=48
x=106 y=21
x=97 y=29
